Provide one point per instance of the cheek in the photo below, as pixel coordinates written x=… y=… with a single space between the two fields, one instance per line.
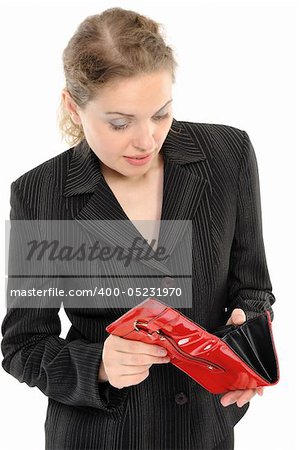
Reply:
x=164 y=130
x=114 y=145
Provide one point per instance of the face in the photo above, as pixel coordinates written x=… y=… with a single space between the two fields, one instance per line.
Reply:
x=130 y=118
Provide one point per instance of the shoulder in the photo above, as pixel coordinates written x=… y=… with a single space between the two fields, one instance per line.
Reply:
x=220 y=142
x=225 y=151
x=37 y=193
x=45 y=176
x=218 y=133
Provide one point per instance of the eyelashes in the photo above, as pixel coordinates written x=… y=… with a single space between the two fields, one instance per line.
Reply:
x=123 y=127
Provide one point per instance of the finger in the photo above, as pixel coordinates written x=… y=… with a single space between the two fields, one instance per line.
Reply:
x=236 y=396
x=237 y=317
x=130 y=372
x=230 y=397
x=246 y=397
x=260 y=390
x=140 y=359
x=131 y=346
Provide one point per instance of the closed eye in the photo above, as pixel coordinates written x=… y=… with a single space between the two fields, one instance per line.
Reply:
x=161 y=117
x=124 y=126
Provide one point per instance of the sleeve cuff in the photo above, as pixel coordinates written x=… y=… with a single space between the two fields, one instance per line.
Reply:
x=252 y=307
x=85 y=389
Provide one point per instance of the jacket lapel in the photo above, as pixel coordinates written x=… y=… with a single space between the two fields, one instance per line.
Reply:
x=182 y=194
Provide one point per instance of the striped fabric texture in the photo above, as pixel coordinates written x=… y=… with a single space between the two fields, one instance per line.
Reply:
x=210 y=178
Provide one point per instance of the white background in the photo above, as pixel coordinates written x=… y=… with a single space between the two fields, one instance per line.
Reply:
x=238 y=66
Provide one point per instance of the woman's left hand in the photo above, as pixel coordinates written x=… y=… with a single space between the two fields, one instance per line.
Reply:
x=240 y=396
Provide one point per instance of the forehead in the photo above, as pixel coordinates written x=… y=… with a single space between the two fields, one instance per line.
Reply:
x=148 y=90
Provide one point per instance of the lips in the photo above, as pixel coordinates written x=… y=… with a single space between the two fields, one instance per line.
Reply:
x=138 y=157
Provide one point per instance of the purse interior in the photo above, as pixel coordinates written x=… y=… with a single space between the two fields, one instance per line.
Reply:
x=252 y=342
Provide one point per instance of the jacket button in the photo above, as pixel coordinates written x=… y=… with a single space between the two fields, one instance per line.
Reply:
x=167 y=282
x=181 y=398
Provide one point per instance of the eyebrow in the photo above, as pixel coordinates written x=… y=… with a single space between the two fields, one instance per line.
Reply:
x=131 y=115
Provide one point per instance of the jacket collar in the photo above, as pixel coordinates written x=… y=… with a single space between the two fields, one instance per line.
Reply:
x=180 y=147
x=184 y=192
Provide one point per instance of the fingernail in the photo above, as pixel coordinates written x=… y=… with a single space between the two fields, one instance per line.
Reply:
x=241 y=404
x=227 y=402
x=163 y=352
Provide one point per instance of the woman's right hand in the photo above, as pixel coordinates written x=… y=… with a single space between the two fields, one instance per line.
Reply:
x=126 y=362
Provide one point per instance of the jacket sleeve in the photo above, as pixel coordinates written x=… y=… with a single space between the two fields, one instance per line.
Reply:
x=66 y=371
x=249 y=285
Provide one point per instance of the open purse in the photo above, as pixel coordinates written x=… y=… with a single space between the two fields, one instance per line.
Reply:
x=228 y=358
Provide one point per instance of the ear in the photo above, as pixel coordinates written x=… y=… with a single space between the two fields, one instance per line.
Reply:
x=70 y=106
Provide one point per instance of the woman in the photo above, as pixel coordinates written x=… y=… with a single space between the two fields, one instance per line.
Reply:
x=132 y=161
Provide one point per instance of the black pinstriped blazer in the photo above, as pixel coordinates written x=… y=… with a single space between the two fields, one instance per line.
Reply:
x=211 y=178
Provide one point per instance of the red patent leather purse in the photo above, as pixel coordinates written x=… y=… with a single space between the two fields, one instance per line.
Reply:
x=228 y=358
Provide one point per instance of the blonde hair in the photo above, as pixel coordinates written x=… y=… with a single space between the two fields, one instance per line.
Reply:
x=115 y=44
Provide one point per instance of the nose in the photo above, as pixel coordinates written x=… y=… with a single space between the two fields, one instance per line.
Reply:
x=144 y=138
